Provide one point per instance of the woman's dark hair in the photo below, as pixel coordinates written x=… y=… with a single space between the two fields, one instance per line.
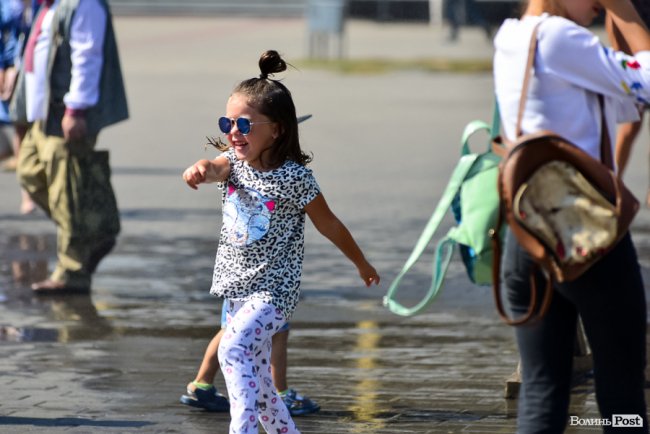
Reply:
x=272 y=99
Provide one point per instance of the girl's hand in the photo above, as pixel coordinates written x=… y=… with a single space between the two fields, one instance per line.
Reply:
x=196 y=174
x=369 y=275
x=206 y=171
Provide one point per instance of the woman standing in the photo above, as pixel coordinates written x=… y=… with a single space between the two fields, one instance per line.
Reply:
x=571 y=69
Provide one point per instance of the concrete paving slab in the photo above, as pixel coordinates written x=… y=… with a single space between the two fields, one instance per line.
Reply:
x=384 y=146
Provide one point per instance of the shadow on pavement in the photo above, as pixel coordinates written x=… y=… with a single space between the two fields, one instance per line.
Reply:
x=71 y=421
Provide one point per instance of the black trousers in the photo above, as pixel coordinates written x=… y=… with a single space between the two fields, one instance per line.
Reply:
x=610 y=300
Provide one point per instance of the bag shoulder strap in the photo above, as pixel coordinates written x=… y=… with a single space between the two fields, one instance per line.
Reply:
x=444 y=249
x=445 y=246
x=532 y=312
x=475 y=126
x=605 y=143
x=532 y=48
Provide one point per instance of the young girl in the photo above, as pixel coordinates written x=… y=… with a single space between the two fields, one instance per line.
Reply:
x=266 y=192
x=571 y=68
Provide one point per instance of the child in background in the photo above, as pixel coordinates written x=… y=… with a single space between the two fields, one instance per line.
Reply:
x=15 y=21
x=10 y=26
x=201 y=393
x=267 y=190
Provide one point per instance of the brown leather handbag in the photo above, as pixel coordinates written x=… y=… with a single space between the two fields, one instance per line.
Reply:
x=566 y=209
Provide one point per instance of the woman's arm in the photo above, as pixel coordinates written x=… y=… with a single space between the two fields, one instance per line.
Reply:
x=206 y=171
x=574 y=54
x=615 y=36
x=627 y=21
x=334 y=230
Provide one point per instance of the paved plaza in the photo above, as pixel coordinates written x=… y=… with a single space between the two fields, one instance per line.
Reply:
x=384 y=145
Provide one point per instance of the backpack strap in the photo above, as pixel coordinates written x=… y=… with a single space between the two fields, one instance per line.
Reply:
x=605 y=157
x=530 y=63
x=605 y=143
x=533 y=312
x=495 y=130
x=444 y=248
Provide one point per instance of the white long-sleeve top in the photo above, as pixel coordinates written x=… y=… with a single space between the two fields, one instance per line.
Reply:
x=571 y=68
x=87 y=33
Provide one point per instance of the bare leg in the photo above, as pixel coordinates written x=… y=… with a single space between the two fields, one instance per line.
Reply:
x=201 y=393
x=210 y=364
x=297 y=404
x=26 y=204
x=279 y=341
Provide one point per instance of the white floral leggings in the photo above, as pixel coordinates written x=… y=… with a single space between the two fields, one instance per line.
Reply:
x=245 y=359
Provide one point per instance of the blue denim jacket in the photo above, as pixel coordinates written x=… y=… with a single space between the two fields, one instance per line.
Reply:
x=11 y=26
x=11 y=12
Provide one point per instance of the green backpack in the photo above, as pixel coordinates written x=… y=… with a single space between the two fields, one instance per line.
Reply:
x=472 y=196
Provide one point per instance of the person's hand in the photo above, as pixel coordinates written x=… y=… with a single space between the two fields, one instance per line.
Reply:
x=2 y=78
x=7 y=86
x=195 y=174
x=369 y=274
x=74 y=127
x=7 y=83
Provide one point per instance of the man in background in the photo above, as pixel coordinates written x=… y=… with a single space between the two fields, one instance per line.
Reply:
x=70 y=86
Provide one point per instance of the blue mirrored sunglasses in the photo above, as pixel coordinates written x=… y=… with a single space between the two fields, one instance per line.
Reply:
x=243 y=124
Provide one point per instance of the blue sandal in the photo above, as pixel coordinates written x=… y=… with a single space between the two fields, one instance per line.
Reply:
x=299 y=405
x=209 y=400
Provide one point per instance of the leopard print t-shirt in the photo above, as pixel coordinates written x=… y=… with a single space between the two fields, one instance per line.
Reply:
x=261 y=244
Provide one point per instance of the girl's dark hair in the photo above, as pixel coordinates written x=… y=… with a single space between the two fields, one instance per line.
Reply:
x=272 y=99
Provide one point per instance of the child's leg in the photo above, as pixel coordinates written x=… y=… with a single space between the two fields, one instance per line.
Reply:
x=244 y=355
x=201 y=392
x=210 y=363
x=279 y=359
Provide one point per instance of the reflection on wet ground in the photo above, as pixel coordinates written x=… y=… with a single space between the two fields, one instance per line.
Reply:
x=119 y=359
x=28 y=255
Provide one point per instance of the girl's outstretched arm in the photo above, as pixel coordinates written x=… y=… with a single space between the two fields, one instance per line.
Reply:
x=334 y=230
x=205 y=171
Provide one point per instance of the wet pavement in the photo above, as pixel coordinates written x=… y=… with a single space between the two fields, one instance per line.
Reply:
x=384 y=145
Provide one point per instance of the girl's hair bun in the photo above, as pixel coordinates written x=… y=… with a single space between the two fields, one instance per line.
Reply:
x=271 y=63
